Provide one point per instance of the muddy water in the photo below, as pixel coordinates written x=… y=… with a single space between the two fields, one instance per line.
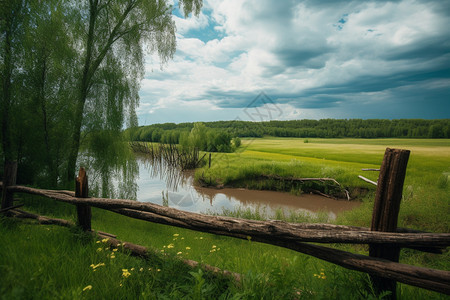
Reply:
x=172 y=188
x=275 y=200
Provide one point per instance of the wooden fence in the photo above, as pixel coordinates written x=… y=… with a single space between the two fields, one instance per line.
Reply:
x=384 y=238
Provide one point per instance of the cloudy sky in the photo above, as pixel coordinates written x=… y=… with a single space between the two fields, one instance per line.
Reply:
x=283 y=59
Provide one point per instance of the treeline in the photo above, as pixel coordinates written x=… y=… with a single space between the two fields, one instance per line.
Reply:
x=325 y=128
x=187 y=135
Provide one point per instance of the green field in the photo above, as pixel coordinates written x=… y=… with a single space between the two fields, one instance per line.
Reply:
x=50 y=262
x=426 y=196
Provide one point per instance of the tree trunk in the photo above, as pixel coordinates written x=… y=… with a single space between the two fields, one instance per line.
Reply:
x=82 y=96
x=9 y=178
x=6 y=95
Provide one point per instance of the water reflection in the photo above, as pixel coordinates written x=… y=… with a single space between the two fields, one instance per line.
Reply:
x=168 y=186
x=112 y=177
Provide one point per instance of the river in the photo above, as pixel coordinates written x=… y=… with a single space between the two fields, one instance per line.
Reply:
x=164 y=186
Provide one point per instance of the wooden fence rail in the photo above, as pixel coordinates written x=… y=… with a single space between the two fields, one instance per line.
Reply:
x=241 y=228
x=296 y=236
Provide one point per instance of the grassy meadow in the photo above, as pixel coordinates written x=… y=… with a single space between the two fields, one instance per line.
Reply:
x=426 y=196
x=39 y=262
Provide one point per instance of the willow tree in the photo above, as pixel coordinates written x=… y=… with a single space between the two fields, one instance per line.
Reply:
x=37 y=80
x=13 y=15
x=113 y=37
x=47 y=85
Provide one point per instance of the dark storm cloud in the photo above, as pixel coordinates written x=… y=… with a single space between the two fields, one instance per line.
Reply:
x=349 y=57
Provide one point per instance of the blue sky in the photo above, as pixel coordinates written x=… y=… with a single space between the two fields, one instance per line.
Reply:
x=303 y=60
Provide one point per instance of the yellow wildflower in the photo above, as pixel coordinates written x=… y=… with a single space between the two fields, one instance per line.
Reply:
x=132 y=269
x=115 y=250
x=125 y=273
x=170 y=246
x=97 y=242
x=214 y=246
x=159 y=270
x=97 y=265
x=99 y=249
x=87 y=288
x=105 y=240
x=178 y=253
x=176 y=234
x=188 y=248
x=141 y=269
x=320 y=276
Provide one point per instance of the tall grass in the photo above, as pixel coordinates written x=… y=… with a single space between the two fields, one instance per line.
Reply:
x=51 y=262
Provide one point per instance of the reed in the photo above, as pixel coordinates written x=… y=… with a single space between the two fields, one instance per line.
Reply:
x=173 y=155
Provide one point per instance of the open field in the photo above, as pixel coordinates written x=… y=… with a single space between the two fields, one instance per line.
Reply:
x=426 y=194
x=269 y=272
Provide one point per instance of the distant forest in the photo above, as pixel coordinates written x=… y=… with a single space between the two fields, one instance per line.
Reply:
x=325 y=128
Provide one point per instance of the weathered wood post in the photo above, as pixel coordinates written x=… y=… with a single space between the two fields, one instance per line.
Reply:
x=83 y=210
x=386 y=209
x=9 y=178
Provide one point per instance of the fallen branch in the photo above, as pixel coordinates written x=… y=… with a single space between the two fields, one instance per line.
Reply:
x=370 y=170
x=109 y=235
x=134 y=249
x=11 y=207
x=308 y=179
x=322 y=194
x=141 y=251
x=41 y=219
x=367 y=180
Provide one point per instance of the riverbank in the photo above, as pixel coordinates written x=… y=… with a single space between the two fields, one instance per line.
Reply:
x=424 y=203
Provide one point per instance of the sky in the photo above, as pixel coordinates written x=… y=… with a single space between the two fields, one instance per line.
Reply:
x=267 y=60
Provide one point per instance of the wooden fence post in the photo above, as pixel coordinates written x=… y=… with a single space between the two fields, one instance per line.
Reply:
x=83 y=210
x=9 y=178
x=386 y=209
x=209 y=165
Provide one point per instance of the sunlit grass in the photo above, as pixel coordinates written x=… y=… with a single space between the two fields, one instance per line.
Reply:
x=426 y=191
